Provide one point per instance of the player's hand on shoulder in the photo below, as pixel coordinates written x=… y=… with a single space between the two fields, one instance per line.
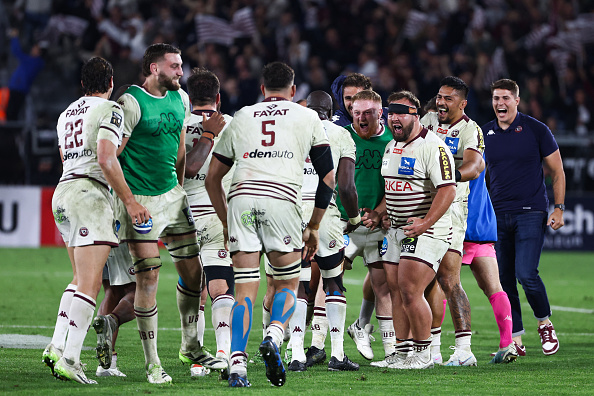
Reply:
x=214 y=124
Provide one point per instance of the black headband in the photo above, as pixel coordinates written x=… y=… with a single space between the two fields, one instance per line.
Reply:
x=398 y=108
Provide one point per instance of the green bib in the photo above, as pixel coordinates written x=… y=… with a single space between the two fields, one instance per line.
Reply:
x=368 y=169
x=149 y=158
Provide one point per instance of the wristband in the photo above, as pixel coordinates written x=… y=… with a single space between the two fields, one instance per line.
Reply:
x=355 y=220
x=458 y=175
x=313 y=226
x=209 y=138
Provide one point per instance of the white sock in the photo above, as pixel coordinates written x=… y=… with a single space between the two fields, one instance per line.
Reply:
x=336 y=314
x=221 y=313
x=265 y=319
x=114 y=360
x=276 y=332
x=81 y=314
x=297 y=326
x=436 y=341
x=188 y=304
x=386 y=326
x=61 y=329
x=319 y=327
x=200 y=325
x=404 y=347
x=238 y=363
x=463 y=339
x=147 y=321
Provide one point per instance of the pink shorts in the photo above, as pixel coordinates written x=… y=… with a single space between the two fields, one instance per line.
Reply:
x=472 y=250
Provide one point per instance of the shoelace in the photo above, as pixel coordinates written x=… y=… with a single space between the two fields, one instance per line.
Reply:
x=545 y=334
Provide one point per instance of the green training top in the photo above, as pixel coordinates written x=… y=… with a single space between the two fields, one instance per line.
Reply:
x=149 y=158
x=368 y=169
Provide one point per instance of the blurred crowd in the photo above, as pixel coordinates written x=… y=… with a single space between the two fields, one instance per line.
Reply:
x=546 y=46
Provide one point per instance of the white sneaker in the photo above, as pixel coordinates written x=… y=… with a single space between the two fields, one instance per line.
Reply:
x=415 y=361
x=390 y=360
x=361 y=338
x=461 y=357
x=50 y=356
x=156 y=375
x=113 y=371
x=67 y=371
x=197 y=370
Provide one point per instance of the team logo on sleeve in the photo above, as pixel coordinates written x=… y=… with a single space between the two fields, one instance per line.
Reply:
x=452 y=144
x=222 y=253
x=444 y=164
x=116 y=119
x=407 y=166
x=83 y=232
x=287 y=239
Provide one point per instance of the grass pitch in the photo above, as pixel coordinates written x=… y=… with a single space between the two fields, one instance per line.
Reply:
x=32 y=282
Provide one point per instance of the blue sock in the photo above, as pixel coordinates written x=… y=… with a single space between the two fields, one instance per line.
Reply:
x=239 y=337
x=278 y=306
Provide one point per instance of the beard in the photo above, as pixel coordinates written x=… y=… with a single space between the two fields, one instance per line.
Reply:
x=405 y=133
x=169 y=82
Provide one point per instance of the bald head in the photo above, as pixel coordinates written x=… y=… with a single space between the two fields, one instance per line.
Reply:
x=321 y=102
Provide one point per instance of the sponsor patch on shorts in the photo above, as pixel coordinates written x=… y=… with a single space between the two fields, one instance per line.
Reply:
x=408 y=245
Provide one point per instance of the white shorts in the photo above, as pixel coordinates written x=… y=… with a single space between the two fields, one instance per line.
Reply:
x=83 y=212
x=423 y=248
x=459 y=214
x=119 y=269
x=170 y=215
x=264 y=224
x=211 y=241
x=365 y=243
x=331 y=239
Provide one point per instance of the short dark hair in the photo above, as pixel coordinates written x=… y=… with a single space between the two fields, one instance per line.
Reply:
x=506 y=83
x=203 y=87
x=357 y=80
x=457 y=84
x=367 y=94
x=96 y=76
x=155 y=53
x=412 y=99
x=277 y=76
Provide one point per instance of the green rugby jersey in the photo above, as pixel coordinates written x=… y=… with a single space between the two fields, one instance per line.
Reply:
x=368 y=169
x=154 y=126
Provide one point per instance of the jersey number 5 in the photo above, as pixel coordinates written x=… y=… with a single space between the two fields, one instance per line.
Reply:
x=269 y=134
x=74 y=129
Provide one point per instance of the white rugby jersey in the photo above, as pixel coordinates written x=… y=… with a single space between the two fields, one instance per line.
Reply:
x=461 y=135
x=269 y=142
x=80 y=127
x=342 y=146
x=197 y=195
x=413 y=172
